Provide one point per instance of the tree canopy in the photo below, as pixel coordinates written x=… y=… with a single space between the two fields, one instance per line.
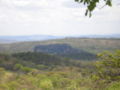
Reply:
x=92 y=4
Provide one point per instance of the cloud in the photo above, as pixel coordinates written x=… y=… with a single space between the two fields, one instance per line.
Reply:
x=56 y=17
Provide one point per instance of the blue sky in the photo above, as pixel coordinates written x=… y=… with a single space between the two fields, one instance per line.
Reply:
x=56 y=17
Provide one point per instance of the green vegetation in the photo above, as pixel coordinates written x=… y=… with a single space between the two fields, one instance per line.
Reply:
x=92 y=4
x=65 y=50
x=20 y=72
x=91 y=45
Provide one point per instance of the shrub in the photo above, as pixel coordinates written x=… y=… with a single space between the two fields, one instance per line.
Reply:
x=114 y=86
x=109 y=66
x=46 y=84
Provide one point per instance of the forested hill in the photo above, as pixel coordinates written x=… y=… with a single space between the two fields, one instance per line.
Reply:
x=33 y=60
x=65 y=51
x=87 y=44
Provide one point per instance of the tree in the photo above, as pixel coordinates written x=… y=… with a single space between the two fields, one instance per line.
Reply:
x=92 y=4
x=109 y=66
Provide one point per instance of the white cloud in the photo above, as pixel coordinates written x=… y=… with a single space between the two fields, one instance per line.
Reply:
x=63 y=17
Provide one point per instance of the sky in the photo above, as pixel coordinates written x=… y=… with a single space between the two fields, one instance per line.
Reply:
x=57 y=17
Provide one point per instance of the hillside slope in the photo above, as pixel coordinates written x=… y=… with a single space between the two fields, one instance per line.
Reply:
x=65 y=50
x=87 y=44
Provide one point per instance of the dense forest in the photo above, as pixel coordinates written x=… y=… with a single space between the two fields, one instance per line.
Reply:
x=65 y=50
x=40 y=71
x=64 y=64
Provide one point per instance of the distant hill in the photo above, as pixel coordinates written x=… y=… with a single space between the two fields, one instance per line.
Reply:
x=65 y=51
x=100 y=36
x=2 y=41
x=91 y=45
x=11 y=39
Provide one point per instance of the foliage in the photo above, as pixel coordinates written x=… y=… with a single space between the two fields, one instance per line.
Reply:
x=65 y=50
x=92 y=4
x=22 y=68
x=109 y=65
x=103 y=76
x=114 y=86
x=57 y=80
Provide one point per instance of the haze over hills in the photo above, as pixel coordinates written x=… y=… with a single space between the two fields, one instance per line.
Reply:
x=12 y=39
x=101 y=36
x=75 y=47
x=92 y=45
x=23 y=38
